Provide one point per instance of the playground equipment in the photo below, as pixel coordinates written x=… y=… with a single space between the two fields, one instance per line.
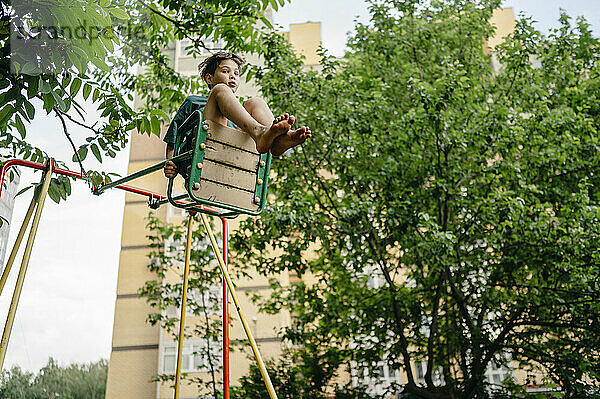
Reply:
x=226 y=178
x=225 y=171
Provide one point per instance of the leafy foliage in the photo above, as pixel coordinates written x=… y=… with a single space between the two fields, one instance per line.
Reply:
x=288 y=379
x=442 y=214
x=77 y=381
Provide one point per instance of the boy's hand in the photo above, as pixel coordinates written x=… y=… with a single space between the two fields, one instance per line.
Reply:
x=170 y=170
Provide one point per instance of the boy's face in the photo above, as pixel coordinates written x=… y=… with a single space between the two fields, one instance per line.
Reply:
x=227 y=72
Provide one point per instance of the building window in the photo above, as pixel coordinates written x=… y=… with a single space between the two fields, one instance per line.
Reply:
x=421 y=370
x=175 y=213
x=169 y=359
x=382 y=378
x=497 y=373
x=194 y=356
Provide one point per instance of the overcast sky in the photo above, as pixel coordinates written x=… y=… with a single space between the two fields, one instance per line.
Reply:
x=337 y=16
x=67 y=305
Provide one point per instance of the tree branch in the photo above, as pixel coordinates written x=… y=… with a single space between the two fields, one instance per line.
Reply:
x=64 y=125
x=433 y=332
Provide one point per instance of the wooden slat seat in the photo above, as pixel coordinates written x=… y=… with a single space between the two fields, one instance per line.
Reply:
x=226 y=168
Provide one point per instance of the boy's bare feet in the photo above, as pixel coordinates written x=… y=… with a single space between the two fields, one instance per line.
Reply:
x=279 y=127
x=291 y=139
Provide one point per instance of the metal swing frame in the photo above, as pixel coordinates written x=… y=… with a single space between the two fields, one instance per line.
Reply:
x=154 y=200
x=196 y=157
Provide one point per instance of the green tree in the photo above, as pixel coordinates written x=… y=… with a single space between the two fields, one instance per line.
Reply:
x=76 y=381
x=16 y=383
x=58 y=54
x=443 y=214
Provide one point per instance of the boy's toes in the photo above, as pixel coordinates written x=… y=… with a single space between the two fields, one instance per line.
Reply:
x=281 y=118
x=305 y=132
x=291 y=120
x=281 y=122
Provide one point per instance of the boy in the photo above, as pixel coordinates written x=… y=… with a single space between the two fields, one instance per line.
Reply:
x=221 y=72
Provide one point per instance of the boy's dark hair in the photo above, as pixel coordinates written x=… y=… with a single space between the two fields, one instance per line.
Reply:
x=209 y=65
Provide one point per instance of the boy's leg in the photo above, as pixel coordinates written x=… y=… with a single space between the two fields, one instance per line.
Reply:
x=223 y=105
x=259 y=109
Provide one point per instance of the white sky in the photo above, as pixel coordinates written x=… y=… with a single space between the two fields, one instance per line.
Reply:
x=337 y=16
x=67 y=304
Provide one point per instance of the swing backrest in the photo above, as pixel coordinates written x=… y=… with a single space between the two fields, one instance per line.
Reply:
x=226 y=171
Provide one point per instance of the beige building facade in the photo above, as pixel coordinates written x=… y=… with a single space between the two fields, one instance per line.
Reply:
x=306 y=40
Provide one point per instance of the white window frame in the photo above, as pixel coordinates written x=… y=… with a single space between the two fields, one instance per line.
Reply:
x=192 y=356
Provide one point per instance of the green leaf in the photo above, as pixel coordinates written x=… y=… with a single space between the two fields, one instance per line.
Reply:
x=161 y=113
x=87 y=89
x=62 y=187
x=44 y=87
x=33 y=86
x=53 y=191
x=6 y=113
x=267 y=23
x=119 y=13
x=67 y=185
x=49 y=102
x=23 y=190
x=29 y=108
x=59 y=100
x=75 y=85
x=82 y=152
x=20 y=126
x=66 y=79
x=96 y=152
x=100 y=64
x=30 y=68
x=144 y=125
x=155 y=125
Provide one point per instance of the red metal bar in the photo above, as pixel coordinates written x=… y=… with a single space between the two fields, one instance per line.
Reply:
x=66 y=172
x=225 y=312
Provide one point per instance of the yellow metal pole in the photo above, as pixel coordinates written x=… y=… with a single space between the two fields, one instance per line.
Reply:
x=24 y=263
x=15 y=249
x=186 y=271
x=261 y=364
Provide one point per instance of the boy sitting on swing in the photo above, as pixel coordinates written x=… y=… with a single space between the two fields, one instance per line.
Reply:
x=221 y=71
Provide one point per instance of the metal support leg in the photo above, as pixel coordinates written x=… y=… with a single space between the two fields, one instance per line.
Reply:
x=226 y=393
x=186 y=270
x=261 y=364
x=13 y=253
x=19 y=286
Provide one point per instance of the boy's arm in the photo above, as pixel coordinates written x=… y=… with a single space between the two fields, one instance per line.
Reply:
x=170 y=150
x=170 y=169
